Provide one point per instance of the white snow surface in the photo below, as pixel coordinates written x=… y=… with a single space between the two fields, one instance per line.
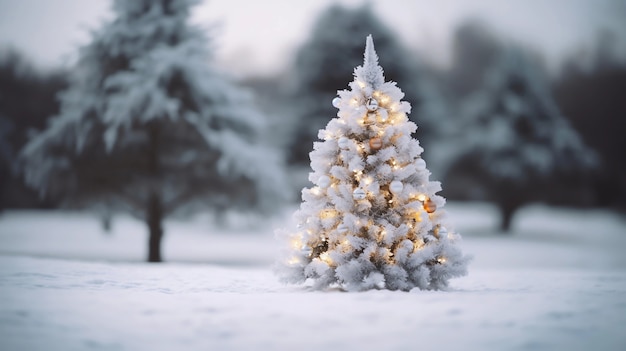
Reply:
x=557 y=283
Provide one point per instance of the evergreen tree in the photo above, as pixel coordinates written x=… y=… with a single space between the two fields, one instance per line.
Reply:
x=326 y=61
x=145 y=124
x=592 y=97
x=475 y=48
x=518 y=145
x=21 y=84
x=373 y=219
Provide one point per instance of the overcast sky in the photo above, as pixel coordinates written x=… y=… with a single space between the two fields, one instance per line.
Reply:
x=259 y=37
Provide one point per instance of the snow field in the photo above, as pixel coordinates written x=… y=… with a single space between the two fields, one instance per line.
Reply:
x=558 y=283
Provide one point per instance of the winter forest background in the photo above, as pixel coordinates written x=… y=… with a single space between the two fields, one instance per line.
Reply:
x=495 y=113
x=105 y=154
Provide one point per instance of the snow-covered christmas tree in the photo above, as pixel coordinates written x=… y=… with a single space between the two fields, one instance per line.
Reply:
x=150 y=127
x=373 y=219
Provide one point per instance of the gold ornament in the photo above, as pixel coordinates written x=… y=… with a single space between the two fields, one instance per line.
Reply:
x=430 y=206
x=376 y=143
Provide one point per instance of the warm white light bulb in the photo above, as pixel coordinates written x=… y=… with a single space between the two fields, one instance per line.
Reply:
x=325 y=257
x=296 y=243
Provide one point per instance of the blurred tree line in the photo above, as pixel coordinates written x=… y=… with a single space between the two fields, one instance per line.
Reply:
x=516 y=146
x=585 y=92
x=521 y=146
x=28 y=97
x=591 y=95
x=585 y=99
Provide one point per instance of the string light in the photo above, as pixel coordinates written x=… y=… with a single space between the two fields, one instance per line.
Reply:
x=417 y=216
x=417 y=245
x=296 y=243
x=328 y=213
x=357 y=174
x=326 y=258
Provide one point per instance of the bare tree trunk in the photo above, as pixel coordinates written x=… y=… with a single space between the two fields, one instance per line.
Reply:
x=154 y=217
x=507 y=210
x=155 y=227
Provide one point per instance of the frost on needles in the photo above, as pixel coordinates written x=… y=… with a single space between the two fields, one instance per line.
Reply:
x=373 y=219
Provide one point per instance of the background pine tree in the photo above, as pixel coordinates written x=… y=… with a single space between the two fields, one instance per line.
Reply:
x=27 y=99
x=517 y=146
x=589 y=93
x=146 y=126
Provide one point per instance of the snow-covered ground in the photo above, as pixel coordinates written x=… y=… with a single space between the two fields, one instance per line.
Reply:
x=557 y=283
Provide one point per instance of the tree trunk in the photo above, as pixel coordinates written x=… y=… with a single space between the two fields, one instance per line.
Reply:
x=155 y=228
x=507 y=211
x=154 y=216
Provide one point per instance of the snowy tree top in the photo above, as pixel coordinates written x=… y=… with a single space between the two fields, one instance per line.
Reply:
x=522 y=131
x=130 y=9
x=142 y=89
x=370 y=72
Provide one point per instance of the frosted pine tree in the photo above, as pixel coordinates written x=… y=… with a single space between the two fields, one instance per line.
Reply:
x=517 y=146
x=149 y=126
x=373 y=219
